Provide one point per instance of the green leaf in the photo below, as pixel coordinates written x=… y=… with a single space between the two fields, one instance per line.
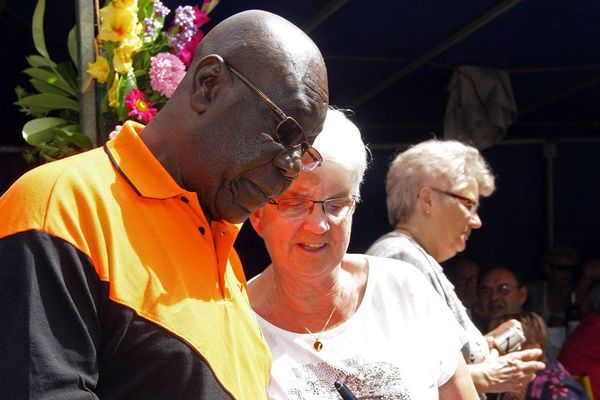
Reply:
x=38 y=131
x=126 y=83
x=39 y=61
x=67 y=71
x=49 y=101
x=145 y=9
x=73 y=137
x=37 y=28
x=72 y=46
x=50 y=77
x=21 y=92
x=208 y=7
x=43 y=87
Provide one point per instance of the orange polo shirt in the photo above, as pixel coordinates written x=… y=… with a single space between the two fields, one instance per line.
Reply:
x=109 y=246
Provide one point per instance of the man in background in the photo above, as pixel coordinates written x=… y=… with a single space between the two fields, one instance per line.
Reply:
x=500 y=292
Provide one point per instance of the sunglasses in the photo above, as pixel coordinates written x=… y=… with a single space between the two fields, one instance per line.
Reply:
x=288 y=133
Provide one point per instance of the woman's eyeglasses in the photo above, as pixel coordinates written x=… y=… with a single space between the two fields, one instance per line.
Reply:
x=288 y=132
x=470 y=205
x=297 y=208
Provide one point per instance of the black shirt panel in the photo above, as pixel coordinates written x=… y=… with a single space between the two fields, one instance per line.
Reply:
x=63 y=338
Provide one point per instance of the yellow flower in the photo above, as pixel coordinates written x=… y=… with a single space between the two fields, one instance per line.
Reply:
x=123 y=55
x=112 y=92
x=117 y=23
x=125 y=3
x=99 y=70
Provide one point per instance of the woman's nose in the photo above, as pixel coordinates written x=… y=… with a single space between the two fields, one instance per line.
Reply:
x=317 y=220
x=475 y=221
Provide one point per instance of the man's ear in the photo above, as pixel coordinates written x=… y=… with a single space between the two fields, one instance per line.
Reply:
x=207 y=73
x=256 y=221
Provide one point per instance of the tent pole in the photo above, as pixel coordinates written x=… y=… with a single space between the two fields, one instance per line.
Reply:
x=86 y=54
x=549 y=157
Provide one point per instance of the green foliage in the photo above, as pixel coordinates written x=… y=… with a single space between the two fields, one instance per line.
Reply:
x=54 y=132
x=53 y=103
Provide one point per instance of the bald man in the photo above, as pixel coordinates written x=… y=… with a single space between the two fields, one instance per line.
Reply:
x=501 y=293
x=118 y=275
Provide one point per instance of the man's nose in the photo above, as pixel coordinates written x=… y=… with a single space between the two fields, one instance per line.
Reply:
x=289 y=161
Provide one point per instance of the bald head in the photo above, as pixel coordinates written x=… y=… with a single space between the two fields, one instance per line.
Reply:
x=255 y=78
x=268 y=44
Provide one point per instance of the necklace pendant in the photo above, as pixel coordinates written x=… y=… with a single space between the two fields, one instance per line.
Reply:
x=318 y=345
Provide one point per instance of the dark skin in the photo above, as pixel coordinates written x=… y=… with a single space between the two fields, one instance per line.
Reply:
x=217 y=138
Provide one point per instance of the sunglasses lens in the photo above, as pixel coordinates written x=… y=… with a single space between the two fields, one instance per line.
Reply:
x=289 y=133
x=311 y=158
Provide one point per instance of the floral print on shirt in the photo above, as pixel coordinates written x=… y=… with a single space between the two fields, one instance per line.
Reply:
x=555 y=383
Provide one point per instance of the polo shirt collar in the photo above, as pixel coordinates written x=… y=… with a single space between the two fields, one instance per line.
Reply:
x=136 y=163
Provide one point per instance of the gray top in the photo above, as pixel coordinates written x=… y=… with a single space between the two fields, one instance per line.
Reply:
x=402 y=247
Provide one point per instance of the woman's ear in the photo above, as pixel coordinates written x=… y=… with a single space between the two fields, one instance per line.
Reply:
x=425 y=199
x=208 y=72
x=256 y=221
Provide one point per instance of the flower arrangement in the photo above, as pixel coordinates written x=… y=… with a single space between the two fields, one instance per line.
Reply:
x=138 y=65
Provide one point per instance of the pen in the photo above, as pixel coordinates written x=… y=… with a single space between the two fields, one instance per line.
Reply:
x=344 y=391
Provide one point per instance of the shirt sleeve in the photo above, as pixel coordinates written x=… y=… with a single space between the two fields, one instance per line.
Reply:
x=51 y=330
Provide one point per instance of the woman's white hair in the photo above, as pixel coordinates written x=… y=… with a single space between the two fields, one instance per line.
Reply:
x=340 y=142
x=442 y=164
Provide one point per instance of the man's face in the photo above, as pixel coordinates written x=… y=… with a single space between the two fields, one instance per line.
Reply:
x=250 y=164
x=561 y=271
x=464 y=278
x=500 y=293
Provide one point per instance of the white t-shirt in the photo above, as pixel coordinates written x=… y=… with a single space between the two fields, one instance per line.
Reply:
x=402 y=343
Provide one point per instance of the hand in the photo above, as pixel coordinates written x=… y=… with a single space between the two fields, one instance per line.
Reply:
x=508 y=373
x=115 y=132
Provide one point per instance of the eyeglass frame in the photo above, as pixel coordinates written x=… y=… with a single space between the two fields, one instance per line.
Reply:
x=473 y=208
x=311 y=208
x=305 y=146
x=503 y=289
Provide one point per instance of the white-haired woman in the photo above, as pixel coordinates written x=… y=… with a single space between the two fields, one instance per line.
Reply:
x=371 y=323
x=433 y=191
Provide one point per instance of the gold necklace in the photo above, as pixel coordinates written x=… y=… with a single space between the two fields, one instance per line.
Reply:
x=318 y=345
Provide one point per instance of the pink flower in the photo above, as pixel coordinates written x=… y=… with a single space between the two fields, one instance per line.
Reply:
x=187 y=53
x=187 y=48
x=138 y=106
x=201 y=17
x=166 y=71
